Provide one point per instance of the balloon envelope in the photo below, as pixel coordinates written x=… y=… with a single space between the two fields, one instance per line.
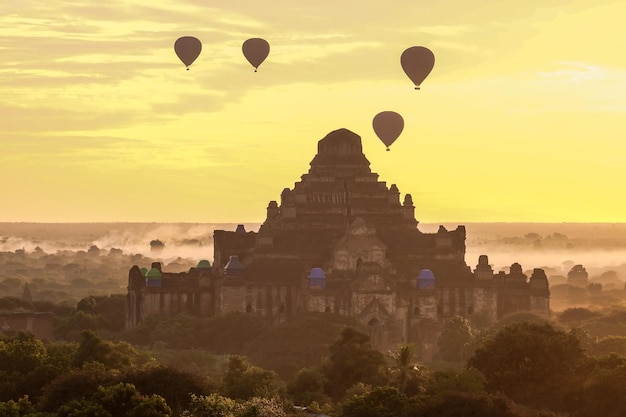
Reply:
x=388 y=125
x=188 y=49
x=255 y=50
x=417 y=62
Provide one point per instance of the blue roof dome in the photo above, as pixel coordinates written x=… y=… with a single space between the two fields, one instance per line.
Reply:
x=317 y=273
x=317 y=278
x=233 y=267
x=426 y=274
x=425 y=279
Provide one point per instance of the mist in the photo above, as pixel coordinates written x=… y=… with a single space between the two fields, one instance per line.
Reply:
x=555 y=247
x=181 y=240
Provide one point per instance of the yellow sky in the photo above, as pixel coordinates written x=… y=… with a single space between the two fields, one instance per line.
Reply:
x=523 y=117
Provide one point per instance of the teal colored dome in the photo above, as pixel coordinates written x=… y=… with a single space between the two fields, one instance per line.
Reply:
x=144 y=271
x=154 y=273
x=204 y=264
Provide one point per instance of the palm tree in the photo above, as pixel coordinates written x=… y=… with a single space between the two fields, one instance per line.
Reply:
x=403 y=365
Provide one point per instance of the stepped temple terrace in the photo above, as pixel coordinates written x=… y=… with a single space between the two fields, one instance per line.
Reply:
x=341 y=241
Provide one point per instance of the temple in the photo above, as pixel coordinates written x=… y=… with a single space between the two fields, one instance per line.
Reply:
x=341 y=241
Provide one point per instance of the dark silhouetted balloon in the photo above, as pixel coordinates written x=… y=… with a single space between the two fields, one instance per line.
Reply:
x=188 y=49
x=388 y=125
x=255 y=50
x=417 y=62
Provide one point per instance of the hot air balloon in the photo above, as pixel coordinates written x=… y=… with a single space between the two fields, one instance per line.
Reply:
x=255 y=50
x=417 y=62
x=188 y=49
x=388 y=125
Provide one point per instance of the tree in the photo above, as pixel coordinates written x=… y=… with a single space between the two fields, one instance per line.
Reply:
x=25 y=366
x=243 y=381
x=468 y=380
x=262 y=407
x=467 y=405
x=405 y=370
x=175 y=386
x=300 y=342
x=116 y=400
x=112 y=355
x=86 y=305
x=308 y=386
x=520 y=316
x=608 y=345
x=379 y=402
x=576 y=315
x=352 y=360
x=231 y=332
x=21 y=353
x=531 y=237
x=156 y=245
x=603 y=393
x=594 y=288
x=533 y=364
x=455 y=340
x=20 y=408
x=578 y=276
x=75 y=385
x=213 y=405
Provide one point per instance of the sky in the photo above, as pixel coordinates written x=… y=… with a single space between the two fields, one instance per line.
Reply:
x=522 y=119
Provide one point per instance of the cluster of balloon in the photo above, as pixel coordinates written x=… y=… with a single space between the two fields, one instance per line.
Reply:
x=255 y=50
x=417 y=62
x=388 y=125
x=188 y=49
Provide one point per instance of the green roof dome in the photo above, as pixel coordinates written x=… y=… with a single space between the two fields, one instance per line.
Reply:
x=204 y=264
x=144 y=271
x=154 y=273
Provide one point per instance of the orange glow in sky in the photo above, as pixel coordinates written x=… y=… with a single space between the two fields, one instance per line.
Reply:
x=523 y=117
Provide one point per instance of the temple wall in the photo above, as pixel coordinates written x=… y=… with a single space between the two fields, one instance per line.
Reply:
x=360 y=300
x=540 y=305
x=206 y=304
x=425 y=305
x=277 y=302
x=485 y=302
x=510 y=302
x=228 y=243
x=39 y=324
x=151 y=303
x=234 y=298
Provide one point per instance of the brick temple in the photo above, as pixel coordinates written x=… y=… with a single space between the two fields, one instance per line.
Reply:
x=341 y=241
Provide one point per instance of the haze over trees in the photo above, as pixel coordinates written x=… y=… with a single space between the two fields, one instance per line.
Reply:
x=240 y=365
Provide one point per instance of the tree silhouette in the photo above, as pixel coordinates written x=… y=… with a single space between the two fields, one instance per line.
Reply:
x=404 y=368
x=353 y=360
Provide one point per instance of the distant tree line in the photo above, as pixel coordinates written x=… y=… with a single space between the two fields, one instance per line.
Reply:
x=527 y=368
